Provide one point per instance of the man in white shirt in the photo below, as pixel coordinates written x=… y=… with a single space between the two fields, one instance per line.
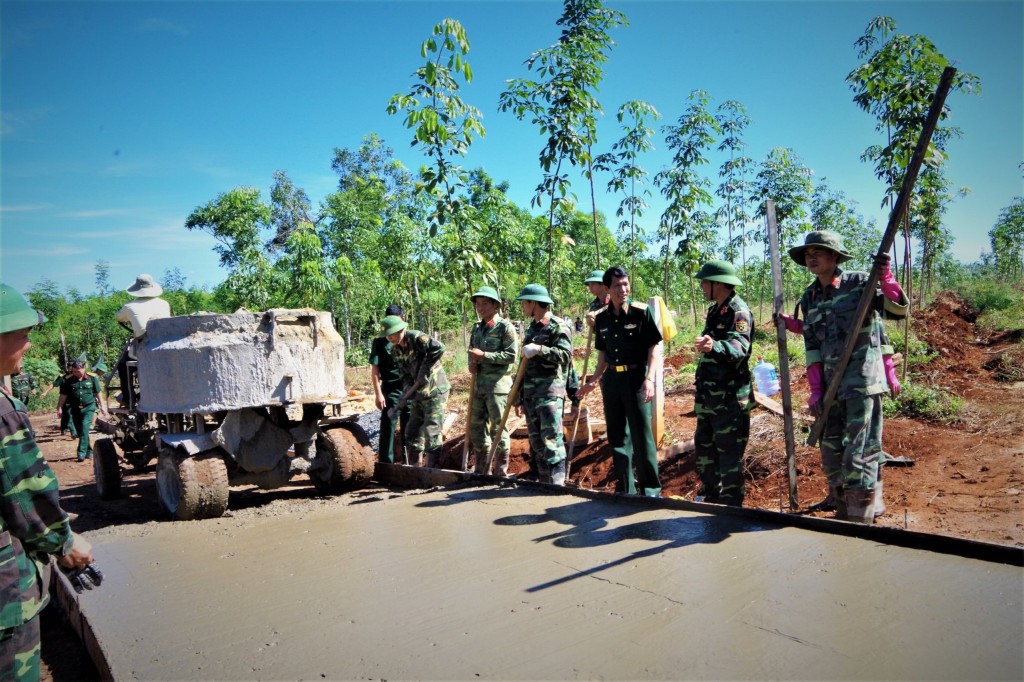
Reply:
x=134 y=315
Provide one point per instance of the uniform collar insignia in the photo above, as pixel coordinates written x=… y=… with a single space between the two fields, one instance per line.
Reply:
x=630 y=326
x=723 y=310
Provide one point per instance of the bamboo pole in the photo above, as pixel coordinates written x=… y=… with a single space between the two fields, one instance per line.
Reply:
x=579 y=408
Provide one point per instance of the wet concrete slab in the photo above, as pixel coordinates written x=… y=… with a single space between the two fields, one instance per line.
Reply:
x=507 y=583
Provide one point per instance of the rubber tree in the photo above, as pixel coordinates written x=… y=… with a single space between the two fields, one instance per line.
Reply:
x=629 y=178
x=1006 y=239
x=444 y=126
x=562 y=103
x=733 y=121
x=934 y=193
x=687 y=191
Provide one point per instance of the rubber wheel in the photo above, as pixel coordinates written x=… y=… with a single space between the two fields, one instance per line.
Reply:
x=350 y=460
x=192 y=487
x=106 y=467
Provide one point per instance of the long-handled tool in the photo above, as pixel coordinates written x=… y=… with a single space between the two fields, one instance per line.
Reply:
x=469 y=419
x=579 y=408
x=508 y=407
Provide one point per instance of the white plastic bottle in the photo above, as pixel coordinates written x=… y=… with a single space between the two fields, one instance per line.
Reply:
x=767 y=379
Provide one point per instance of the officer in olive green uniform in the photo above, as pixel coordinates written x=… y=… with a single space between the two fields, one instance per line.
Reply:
x=493 y=347
x=32 y=523
x=387 y=387
x=629 y=353
x=547 y=347
x=82 y=393
x=724 y=395
x=418 y=358
x=851 y=443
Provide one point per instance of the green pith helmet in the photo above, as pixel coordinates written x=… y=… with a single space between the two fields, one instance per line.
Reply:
x=822 y=239
x=595 y=276
x=719 y=271
x=15 y=312
x=535 y=292
x=486 y=292
x=392 y=324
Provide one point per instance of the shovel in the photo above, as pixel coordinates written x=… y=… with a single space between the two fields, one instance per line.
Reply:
x=579 y=408
x=508 y=406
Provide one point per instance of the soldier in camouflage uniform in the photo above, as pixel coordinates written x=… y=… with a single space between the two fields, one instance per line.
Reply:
x=724 y=396
x=851 y=443
x=387 y=388
x=547 y=349
x=32 y=523
x=418 y=358
x=22 y=386
x=493 y=347
x=629 y=353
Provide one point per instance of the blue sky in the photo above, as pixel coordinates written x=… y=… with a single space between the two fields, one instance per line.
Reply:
x=120 y=118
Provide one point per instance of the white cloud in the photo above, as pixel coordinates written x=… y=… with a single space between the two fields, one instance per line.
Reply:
x=48 y=252
x=95 y=213
x=23 y=208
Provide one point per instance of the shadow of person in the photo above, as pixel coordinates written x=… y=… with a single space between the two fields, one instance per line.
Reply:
x=476 y=494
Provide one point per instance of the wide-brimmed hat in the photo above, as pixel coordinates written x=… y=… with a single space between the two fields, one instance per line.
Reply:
x=535 y=292
x=15 y=311
x=822 y=239
x=145 y=286
x=392 y=324
x=595 y=276
x=719 y=271
x=486 y=292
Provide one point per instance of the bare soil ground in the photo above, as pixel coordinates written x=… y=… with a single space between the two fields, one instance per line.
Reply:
x=965 y=481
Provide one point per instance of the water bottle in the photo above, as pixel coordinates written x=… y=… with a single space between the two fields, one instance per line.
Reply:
x=767 y=379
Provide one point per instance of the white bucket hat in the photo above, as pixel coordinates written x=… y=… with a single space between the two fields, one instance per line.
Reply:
x=145 y=286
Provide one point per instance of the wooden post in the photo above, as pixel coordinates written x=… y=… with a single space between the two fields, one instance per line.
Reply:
x=890 y=235
x=780 y=328
x=579 y=408
x=508 y=407
x=658 y=408
x=469 y=419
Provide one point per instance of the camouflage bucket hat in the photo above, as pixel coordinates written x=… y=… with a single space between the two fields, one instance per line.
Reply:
x=15 y=312
x=595 y=276
x=719 y=271
x=486 y=292
x=535 y=292
x=392 y=324
x=822 y=239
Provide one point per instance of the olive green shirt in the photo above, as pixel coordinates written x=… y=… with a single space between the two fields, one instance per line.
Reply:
x=497 y=339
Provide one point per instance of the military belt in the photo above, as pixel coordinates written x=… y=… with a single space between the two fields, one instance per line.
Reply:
x=625 y=368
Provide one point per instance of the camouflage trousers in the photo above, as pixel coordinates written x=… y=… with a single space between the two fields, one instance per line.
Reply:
x=851 y=444
x=426 y=417
x=544 y=426
x=19 y=651
x=386 y=446
x=628 y=420
x=485 y=418
x=723 y=427
x=81 y=420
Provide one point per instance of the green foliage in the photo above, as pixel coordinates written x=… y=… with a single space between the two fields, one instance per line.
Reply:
x=923 y=402
x=1000 y=304
x=1007 y=241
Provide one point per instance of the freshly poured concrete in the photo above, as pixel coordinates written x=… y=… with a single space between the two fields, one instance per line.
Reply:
x=516 y=584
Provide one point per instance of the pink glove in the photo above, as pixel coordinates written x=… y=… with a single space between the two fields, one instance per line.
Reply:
x=891 y=289
x=890 y=375
x=792 y=325
x=816 y=380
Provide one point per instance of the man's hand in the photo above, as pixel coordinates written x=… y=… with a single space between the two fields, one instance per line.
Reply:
x=703 y=344
x=84 y=578
x=647 y=391
x=592 y=318
x=814 y=404
x=882 y=261
x=476 y=355
x=80 y=555
x=792 y=325
x=379 y=401
x=531 y=349
x=584 y=390
x=519 y=410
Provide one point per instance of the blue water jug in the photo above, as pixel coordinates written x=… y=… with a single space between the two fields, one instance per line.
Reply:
x=766 y=378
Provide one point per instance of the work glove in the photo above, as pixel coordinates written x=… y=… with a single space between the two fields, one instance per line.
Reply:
x=531 y=349
x=816 y=380
x=793 y=325
x=890 y=375
x=83 y=578
x=891 y=289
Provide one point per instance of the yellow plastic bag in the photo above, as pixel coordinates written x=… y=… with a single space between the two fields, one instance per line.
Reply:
x=668 y=325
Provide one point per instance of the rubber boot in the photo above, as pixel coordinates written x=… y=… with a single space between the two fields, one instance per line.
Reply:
x=558 y=473
x=879 y=501
x=860 y=505
x=434 y=458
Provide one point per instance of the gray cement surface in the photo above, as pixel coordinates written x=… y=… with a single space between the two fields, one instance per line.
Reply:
x=506 y=583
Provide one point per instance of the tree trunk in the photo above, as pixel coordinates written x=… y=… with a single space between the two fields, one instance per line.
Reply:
x=593 y=206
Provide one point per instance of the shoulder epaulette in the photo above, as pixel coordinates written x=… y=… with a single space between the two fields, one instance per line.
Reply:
x=639 y=305
x=601 y=310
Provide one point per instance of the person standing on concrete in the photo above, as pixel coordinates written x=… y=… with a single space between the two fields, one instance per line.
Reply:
x=851 y=443
x=387 y=388
x=547 y=349
x=724 y=396
x=493 y=347
x=628 y=355
x=426 y=388
x=32 y=523
x=83 y=395
x=134 y=315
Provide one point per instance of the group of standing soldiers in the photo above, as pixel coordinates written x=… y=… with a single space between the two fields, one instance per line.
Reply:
x=411 y=385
